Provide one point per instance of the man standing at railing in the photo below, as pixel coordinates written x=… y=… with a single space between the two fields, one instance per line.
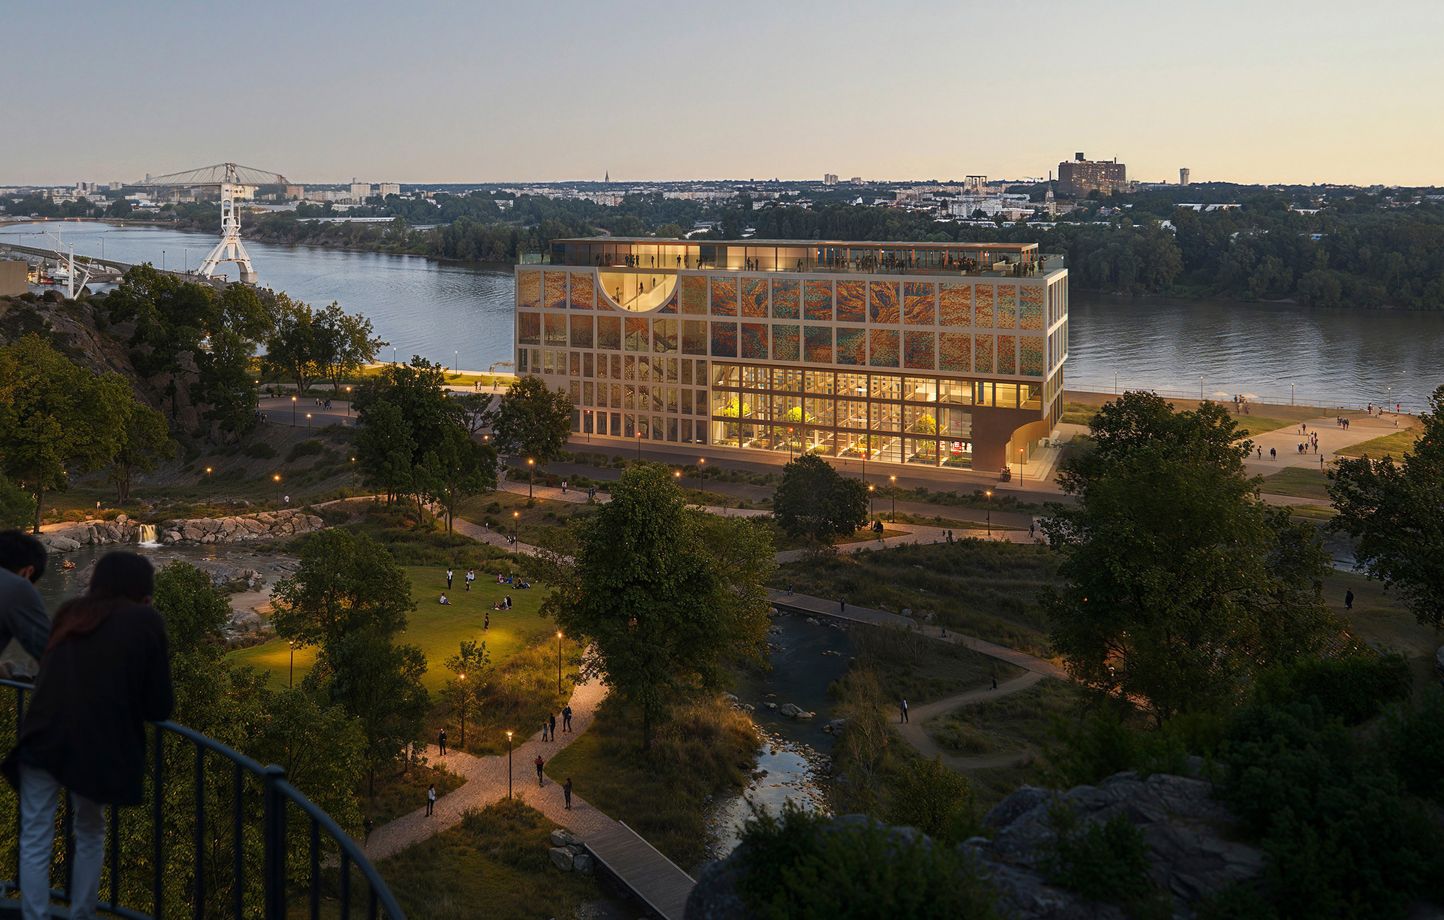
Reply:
x=22 y=612
x=104 y=674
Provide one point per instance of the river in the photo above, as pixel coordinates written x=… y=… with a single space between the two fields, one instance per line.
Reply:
x=1274 y=352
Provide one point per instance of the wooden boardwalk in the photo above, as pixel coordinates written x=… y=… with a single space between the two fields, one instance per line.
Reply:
x=653 y=878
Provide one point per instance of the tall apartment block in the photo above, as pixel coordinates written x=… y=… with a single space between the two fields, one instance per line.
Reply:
x=1079 y=176
x=937 y=354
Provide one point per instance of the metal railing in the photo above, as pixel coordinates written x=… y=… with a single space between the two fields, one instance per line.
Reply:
x=967 y=268
x=256 y=845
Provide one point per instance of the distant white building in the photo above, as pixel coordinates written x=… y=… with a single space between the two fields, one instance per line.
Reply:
x=388 y=188
x=829 y=178
x=360 y=191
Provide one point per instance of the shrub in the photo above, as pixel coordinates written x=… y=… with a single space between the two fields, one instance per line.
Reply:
x=799 y=865
x=307 y=448
x=259 y=450
x=1105 y=861
x=1352 y=689
x=1414 y=742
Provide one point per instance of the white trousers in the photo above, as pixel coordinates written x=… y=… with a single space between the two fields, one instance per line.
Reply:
x=39 y=793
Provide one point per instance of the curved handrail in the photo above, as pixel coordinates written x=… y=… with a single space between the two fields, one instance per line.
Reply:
x=276 y=794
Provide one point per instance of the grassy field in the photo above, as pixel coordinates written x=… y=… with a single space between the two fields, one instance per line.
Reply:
x=1075 y=413
x=539 y=522
x=1020 y=722
x=914 y=667
x=1298 y=481
x=437 y=629
x=1250 y=425
x=982 y=588
x=1380 y=618
x=494 y=864
x=402 y=793
x=704 y=749
x=1395 y=444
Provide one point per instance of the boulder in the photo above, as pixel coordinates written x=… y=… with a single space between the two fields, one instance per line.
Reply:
x=562 y=838
x=562 y=858
x=583 y=863
x=794 y=711
x=835 y=726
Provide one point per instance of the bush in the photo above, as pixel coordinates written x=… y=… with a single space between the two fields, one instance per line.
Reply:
x=259 y=450
x=304 y=449
x=800 y=865
x=1102 y=862
x=1353 y=688
x=935 y=800
x=1414 y=742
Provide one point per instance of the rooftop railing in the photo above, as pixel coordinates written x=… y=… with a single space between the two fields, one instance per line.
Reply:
x=246 y=861
x=962 y=268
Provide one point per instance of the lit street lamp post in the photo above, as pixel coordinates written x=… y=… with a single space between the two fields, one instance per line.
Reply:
x=308 y=420
x=508 y=764
x=291 y=678
x=293 y=412
x=276 y=478
x=559 y=661
x=462 y=678
x=989 y=493
x=348 y=401
x=701 y=472
x=515 y=524
x=893 y=490
x=530 y=476
x=870 y=490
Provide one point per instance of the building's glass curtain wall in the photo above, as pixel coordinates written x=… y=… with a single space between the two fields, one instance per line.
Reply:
x=939 y=367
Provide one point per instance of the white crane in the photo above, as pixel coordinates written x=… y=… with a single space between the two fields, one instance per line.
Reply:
x=232 y=180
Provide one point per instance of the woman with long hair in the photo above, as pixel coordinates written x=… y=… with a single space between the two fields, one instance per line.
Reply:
x=104 y=674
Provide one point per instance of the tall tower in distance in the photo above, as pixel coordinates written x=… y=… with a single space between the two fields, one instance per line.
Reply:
x=1183 y=176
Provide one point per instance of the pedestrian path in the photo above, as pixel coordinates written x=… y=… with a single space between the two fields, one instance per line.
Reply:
x=915 y=733
x=651 y=876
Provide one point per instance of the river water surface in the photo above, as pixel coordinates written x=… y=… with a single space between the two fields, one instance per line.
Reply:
x=451 y=312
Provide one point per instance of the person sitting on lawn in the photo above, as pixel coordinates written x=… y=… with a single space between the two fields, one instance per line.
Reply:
x=444 y=599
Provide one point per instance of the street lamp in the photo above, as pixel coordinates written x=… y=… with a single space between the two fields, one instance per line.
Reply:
x=530 y=476
x=462 y=678
x=209 y=470
x=293 y=412
x=870 y=489
x=515 y=523
x=508 y=764
x=353 y=472
x=291 y=679
x=559 y=661
x=701 y=471
x=1020 y=466
x=308 y=420
x=639 y=445
x=989 y=493
x=348 y=401
x=893 y=490
x=455 y=363
x=276 y=478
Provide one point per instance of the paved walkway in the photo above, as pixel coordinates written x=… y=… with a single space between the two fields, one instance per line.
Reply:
x=914 y=731
x=650 y=875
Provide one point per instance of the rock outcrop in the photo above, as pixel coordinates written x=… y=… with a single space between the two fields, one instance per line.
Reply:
x=1194 y=849
x=241 y=528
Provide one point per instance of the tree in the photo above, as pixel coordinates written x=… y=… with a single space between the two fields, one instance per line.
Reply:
x=344 y=343
x=1178 y=586
x=661 y=610
x=379 y=683
x=143 y=436
x=17 y=507
x=532 y=420
x=472 y=666
x=935 y=800
x=56 y=418
x=346 y=582
x=1395 y=512
x=815 y=501
x=455 y=467
x=292 y=348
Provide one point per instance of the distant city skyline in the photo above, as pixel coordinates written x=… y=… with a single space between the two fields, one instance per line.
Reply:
x=438 y=92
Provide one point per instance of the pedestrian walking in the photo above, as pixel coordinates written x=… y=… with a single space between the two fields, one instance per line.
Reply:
x=567 y=718
x=430 y=799
x=552 y=725
x=441 y=742
x=539 y=764
x=449 y=575
x=841 y=605
x=995 y=681
x=903 y=711
x=567 y=794
x=1349 y=599
x=544 y=730
x=368 y=826
x=106 y=673
x=486 y=621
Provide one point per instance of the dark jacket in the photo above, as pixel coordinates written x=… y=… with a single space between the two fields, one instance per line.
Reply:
x=85 y=723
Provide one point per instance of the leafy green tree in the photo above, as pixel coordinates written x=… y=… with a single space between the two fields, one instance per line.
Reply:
x=56 y=418
x=454 y=468
x=1178 y=586
x=293 y=348
x=144 y=436
x=379 y=683
x=815 y=501
x=472 y=666
x=17 y=507
x=346 y=582
x=532 y=420
x=384 y=448
x=1393 y=511
x=935 y=800
x=344 y=343
x=663 y=614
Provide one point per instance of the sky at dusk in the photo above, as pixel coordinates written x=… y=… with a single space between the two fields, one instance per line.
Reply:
x=1255 y=91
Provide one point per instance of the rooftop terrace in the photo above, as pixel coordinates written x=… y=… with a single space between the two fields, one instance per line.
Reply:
x=652 y=254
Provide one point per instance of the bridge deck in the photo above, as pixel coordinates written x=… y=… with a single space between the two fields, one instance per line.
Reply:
x=652 y=877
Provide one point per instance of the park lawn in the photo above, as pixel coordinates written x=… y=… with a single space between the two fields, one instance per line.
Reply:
x=1075 y=413
x=1299 y=482
x=494 y=864
x=537 y=521
x=920 y=669
x=1393 y=445
x=437 y=629
x=1380 y=618
x=1020 y=722
x=1250 y=425
x=704 y=749
x=983 y=588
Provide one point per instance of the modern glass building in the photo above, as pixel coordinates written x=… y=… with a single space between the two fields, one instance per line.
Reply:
x=940 y=354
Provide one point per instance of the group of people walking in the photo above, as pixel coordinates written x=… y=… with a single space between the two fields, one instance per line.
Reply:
x=103 y=672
